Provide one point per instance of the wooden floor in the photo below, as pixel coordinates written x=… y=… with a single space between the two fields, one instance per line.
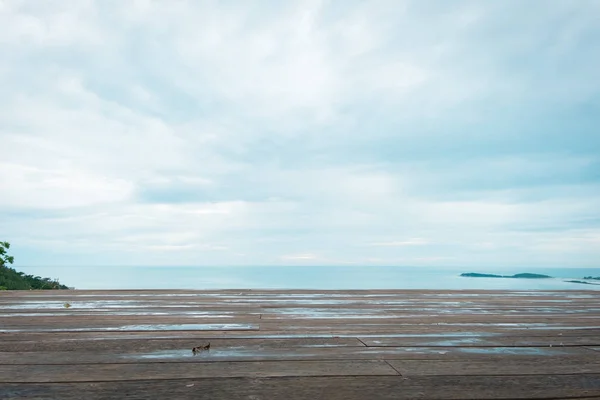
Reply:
x=300 y=345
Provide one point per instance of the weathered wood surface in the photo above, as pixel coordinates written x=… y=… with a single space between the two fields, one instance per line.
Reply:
x=483 y=341
x=124 y=372
x=507 y=367
x=254 y=353
x=300 y=344
x=581 y=387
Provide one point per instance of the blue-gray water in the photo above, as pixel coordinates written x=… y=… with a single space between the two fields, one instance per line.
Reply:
x=308 y=278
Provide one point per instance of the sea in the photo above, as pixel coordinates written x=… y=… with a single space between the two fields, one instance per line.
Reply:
x=310 y=277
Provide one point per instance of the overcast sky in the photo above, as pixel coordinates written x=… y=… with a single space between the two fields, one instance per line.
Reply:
x=425 y=133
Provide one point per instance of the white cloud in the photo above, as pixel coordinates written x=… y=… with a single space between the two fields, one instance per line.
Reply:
x=202 y=131
x=401 y=243
x=299 y=257
x=30 y=187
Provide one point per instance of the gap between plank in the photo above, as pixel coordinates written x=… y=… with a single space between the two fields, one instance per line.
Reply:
x=394 y=368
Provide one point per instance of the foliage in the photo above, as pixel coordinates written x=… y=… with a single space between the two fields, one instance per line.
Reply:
x=10 y=279
x=4 y=257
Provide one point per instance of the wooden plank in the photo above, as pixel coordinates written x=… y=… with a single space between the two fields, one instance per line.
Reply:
x=594 y=348
x=39 y=337
x=483 y=320
x=433 y=293
x=421 y=327
x=267 y=353
x=483 y=341
x=299 y=331
x=127 y=344
x=354 y=324
x=506 y=367
x=331 y=388
x=331 y=318
x=399 y=301
x=124 y=372
x=7 y=339
x=201 y=299
x=307 y=310
x=132 y=327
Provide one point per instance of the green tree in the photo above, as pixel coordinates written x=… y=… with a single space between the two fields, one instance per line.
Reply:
x=4 y=257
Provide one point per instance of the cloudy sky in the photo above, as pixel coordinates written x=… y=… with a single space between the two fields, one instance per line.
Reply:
x=426 y=133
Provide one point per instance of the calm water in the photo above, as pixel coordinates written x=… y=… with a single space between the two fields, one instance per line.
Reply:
x=307 y=278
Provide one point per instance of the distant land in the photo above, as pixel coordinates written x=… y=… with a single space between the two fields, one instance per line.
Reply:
x=583 y=282
x=525 y=275
x=10 y=279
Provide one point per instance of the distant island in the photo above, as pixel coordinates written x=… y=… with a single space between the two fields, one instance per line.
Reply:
x=584 y=282
x=525 y=275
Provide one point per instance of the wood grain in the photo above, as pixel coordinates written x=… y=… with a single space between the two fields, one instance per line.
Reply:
x=300 y=344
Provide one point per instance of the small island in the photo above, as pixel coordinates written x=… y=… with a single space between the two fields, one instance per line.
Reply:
x=582 y=282
x=525 y=275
